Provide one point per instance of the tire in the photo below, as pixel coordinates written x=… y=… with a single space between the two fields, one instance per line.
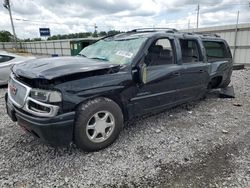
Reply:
x=227 y=82
x=209 y=86
x=203 y=96
x=98 y=124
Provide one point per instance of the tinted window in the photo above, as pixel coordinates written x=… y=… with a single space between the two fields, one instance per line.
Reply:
x=4 y=58
x=160 y=53
x=215 y=50
x=189 y=49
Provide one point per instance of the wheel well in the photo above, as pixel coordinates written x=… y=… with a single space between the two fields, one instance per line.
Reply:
x=118 y=101
x=215 y=82
x=113 y=98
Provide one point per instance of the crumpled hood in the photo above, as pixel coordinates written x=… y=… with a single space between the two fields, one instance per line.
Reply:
x=50 y=68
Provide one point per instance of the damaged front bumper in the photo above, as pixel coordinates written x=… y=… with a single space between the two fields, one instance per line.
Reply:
x=56 y=130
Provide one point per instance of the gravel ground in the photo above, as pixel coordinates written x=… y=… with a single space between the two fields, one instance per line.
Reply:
x=200 y=144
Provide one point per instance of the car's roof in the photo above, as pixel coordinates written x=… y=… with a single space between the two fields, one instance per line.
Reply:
x=130 y=35
x=170 y=32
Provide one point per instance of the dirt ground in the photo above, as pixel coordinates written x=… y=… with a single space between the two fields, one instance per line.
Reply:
x=201 y=144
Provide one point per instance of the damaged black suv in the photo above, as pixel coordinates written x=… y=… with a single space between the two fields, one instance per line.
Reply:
x=86 y=99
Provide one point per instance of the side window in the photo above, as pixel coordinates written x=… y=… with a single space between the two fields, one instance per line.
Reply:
x=160 y=53
x=189 y=50
x=4 y=58
x=215 y=50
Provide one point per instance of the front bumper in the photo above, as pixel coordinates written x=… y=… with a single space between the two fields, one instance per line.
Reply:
x=56 y=130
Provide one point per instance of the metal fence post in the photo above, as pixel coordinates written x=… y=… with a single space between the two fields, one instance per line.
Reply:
x=235 y=38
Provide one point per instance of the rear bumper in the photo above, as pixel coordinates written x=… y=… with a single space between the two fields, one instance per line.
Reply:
x=57 y=130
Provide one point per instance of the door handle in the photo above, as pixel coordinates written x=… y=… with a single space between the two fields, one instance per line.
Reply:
x=176 y=73
x=201 y=71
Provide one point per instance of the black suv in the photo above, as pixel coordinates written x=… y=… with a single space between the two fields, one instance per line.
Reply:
x=86 y=99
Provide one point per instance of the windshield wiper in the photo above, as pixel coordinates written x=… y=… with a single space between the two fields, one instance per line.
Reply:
x=82 y=55
x=100 y=58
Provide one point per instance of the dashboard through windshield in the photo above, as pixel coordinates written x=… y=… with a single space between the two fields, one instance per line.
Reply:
x=114 y=51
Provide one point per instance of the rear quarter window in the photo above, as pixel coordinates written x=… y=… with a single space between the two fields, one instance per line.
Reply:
x=216 y=51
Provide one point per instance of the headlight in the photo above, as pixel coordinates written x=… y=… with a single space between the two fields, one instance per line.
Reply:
x=46 y=96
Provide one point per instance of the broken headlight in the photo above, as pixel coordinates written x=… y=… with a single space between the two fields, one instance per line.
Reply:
x=46 y=96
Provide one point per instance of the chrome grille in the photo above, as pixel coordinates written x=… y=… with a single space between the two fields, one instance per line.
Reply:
x=17 y=92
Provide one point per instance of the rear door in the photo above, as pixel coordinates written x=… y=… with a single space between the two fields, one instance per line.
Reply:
x=194 y=75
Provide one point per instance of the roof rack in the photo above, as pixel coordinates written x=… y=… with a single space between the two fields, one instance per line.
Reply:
x=207 y=34
x=169 y=30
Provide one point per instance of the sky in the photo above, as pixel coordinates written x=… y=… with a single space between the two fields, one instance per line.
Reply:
x=73 y=16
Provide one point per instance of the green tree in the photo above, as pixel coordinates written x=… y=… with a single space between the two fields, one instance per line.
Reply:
x=95 y=34
x=83 y=35
x=27 y=40
x=88 y=34
x=54 y=37
x=5 y=36
x=36 y=39
x=113 y=32
x=102 y=33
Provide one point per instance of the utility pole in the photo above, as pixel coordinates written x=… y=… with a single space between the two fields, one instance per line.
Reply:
x=188 y=25
x=198 y=15
x=95 y=31
x=236 y=35
x=7 y=6
x=95 y=28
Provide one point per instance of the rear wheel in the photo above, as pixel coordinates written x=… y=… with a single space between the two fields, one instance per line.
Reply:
x=98 y=124
x=215 y=82
x=227 y=82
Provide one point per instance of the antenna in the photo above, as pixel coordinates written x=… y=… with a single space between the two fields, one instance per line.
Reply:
x=188 y=25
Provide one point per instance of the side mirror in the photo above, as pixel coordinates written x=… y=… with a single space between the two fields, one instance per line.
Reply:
x=139 y=74
x=143 y=73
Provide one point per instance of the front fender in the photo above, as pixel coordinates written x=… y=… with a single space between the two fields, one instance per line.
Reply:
x=77 y=91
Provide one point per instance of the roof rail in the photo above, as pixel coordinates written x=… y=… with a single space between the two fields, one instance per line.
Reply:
x=207 y=34
x=153 y=30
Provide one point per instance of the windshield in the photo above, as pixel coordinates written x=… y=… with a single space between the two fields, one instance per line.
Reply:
x=114 y=51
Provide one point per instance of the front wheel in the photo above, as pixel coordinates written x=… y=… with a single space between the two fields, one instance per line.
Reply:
x=98 y=124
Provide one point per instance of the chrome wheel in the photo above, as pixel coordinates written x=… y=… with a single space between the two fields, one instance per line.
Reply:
x=100 y=126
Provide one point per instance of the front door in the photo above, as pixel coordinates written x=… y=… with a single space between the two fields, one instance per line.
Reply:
x=162 y=73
